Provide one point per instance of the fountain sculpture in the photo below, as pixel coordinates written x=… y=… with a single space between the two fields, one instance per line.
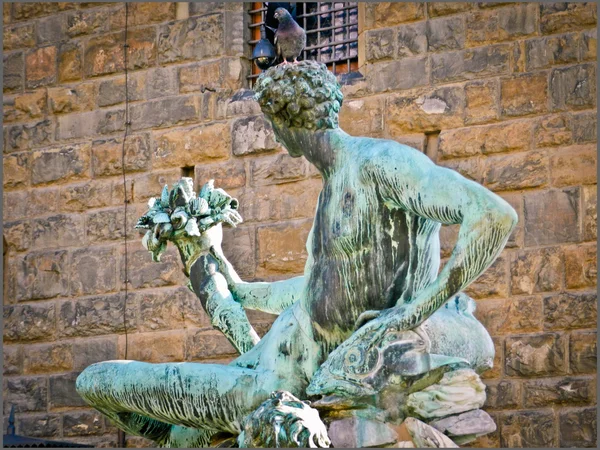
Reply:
x=383 y=343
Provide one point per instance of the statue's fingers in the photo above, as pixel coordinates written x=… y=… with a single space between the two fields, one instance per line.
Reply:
x=365 y=317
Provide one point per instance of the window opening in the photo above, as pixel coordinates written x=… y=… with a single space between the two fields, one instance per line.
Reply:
x=331 y=32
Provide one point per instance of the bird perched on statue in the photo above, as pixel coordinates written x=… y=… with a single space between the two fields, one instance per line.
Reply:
x=290 y=38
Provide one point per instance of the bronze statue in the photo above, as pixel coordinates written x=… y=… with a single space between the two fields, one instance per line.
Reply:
x=370 y=319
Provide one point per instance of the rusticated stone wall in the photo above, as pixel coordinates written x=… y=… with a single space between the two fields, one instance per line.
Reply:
x=502 y=92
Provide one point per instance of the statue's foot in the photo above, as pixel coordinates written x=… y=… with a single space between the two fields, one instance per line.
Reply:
x=284 y=421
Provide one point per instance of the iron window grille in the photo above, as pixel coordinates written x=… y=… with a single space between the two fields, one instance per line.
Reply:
x=331 y=33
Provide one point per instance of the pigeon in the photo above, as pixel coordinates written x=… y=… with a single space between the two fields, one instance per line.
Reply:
x=290 y=38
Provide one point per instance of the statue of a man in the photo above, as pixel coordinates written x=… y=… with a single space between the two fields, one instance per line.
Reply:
x=373 y=263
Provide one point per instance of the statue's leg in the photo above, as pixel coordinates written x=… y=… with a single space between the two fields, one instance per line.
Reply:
x=205 y=396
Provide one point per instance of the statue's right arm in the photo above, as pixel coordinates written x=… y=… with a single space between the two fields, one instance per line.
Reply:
x=270 y=297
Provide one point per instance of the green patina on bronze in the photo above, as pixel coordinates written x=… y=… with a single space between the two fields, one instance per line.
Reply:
x=372 y=321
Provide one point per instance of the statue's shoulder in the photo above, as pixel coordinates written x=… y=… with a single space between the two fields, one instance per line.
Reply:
x=377 y=154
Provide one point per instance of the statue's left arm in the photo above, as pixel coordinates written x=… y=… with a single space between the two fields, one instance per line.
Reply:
x=408 y=180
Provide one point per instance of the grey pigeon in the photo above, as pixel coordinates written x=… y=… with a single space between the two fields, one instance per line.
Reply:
x=290 y=38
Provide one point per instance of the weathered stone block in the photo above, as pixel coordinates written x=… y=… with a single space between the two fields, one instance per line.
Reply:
x=416 y=112
x=27 y=394
x=164 y=113
x=387 y=14
x=107 y=225
x=553 y=131
x=85 y=22
x=511 y=315
x=380 y=44
x=363 y=117
x=252 y=135
x=501 y=24
x=443 y=8
x=112 y=92
x=86 y=124
x=202 y=345
x=384 y=77
x=202 y=8
x=161 y=309
x=144 y=273
x=13 y=359
x=527 y=429
x=28 y=106
x=157 y=347
x=573 y=87
x=578 y=427
x=44 y=358
x=96 y=316
x=16 y=170
x=70 y=62
x=143 y=13
x=243 y=104
x=548 y=51
x=42 y=202
x=63 y=393
x=52 y=30
x=574 y=165
x=66 y=163
x=524 y=94
x=537 y=270
x=412 y=40
x=12 y=77
x=93 y=271
x=46 y=425
x=28 y=136
x=518 y=171
x=502 y=394
x=570 y=310
x=564 y=391
x=17 y=235
x=584 y=127
x=535 y=355
x=14 y=205
x=40 y=67
x=161 y=82
x=239 y=246
x=47 y=273
x=510 y=137
x=590 y=215
x=567 y=16
x=24 y=11
x=482 y=101
x=77 y=99
x=277 y=169
x=191 y=39
x=581 y=267
x=552 y=217
x=107 y=155
x=19 y=36
x=81 y=197
x=445 y=34
x=282 y=248
x=200 y=77
x=358 y=432
x=90 y=351
x=104 y=55
x=583 y=352
x=589 y=44
x=186 y=147
x=280 y=202
x=82 y=423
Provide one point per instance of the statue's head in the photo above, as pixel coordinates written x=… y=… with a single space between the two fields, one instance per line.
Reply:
x=304 y=95
x=182 y=217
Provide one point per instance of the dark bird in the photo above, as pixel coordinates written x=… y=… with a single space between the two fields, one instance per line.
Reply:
x=290 y=38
